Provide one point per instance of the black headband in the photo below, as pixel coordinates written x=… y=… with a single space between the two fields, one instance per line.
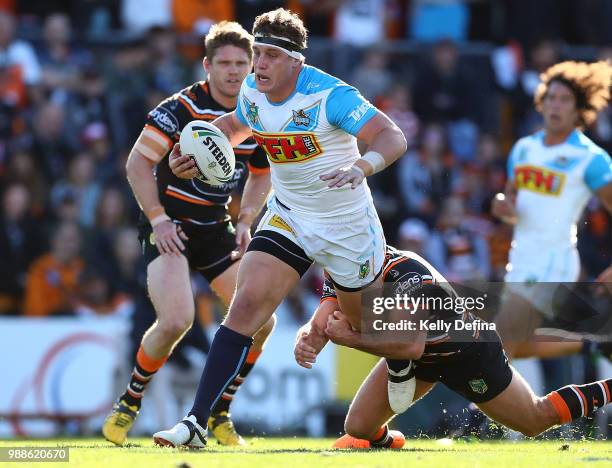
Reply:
x=279 y=42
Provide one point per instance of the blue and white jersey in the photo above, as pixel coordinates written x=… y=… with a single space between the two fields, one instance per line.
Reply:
x=554 y=183
x=310 y=133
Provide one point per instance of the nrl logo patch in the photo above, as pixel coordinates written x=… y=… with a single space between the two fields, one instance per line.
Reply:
x=300 y=118
x=253 y=112
x=478 y=386
x=364 y=269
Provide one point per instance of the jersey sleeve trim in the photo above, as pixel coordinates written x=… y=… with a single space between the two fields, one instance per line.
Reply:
x=258 y=170
x=391 y=265
x=159 y=134
x=328 y=298
x=599 y=172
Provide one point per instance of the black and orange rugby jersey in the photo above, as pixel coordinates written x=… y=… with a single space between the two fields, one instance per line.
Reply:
x=405 y=273
x=193 y=200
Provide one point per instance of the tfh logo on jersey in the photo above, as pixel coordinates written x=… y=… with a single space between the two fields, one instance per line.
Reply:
x=539 y=180
x=288 y=147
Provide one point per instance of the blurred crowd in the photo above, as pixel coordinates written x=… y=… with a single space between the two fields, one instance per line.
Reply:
x=77 y=79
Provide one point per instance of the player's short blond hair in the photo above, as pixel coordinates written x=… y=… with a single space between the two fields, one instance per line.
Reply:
x=228 y=33
x=590 y=83
x=282 y=23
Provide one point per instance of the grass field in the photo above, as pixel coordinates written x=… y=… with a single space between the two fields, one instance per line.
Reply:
x=300 y=452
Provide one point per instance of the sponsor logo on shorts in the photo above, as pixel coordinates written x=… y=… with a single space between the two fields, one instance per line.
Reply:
x=280 y=223
x=288 y=147
x=539 y=180
x=364 y=269
x=478 y=386
x=164 y=119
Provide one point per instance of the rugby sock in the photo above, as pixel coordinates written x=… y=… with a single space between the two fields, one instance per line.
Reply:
x=575 y=401
x=228 y=353
x=397 y=365
x=142 y=374
x=228 y=394
x=382 y=439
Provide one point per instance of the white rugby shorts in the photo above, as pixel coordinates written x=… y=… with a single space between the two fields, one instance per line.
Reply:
x=350 y=248
x=534 y=275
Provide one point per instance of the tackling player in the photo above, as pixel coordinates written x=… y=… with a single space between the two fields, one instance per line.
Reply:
x=185 y=224
x=477 y=368
x=551 y=176
x=308 y=122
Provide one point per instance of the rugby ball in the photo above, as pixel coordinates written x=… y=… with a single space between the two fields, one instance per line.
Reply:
x=211 y=151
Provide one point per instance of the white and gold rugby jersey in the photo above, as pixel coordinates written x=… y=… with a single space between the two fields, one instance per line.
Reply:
x=310 y=133
x=554 y=183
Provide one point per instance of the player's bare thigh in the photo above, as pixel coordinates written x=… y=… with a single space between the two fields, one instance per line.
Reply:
x=352 y=304
x=516 y=321
x=518 y=408
x=170 y=291
x=263 y=282
x=224 y=287
x=370 y=408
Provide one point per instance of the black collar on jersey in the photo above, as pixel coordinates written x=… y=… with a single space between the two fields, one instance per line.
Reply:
x=278 y=42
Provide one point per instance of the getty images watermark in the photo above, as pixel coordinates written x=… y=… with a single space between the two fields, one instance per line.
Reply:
x=443 y=314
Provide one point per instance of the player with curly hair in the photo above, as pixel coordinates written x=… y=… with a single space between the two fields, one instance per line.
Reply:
x=552 y=174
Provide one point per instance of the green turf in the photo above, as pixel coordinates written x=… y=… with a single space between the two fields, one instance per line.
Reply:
x=294 y=453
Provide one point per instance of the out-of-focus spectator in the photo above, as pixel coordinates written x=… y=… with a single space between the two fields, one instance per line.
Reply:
x=22 y=168
x=125 y=72
x=442 y=90
x=81 y=186
x=432 y=20
x=602 y=130
x=543 y=55
x=456 y=250
x=21 y=240
x=427 y=175
x=198 y=16
x=19 y=67
x=95 y=139
x=61 y=62
x=167 y=71
x=372 y=78
x=127 y=266
x=138 y=16
x=67 y=209
x=397 y=104
x=595 y=239
x=413 y=236
x=52 y=279
x=482 y=178
x=360 y=23
x=50 y=144
x=110 y=217
x=97 y=297
x=91 y=103
x=96 y=18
